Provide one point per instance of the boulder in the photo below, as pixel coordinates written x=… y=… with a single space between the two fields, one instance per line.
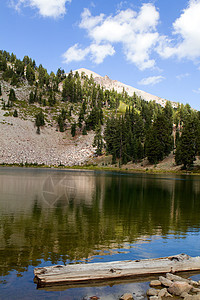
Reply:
x=164 y=293
x=178 y=287
x=184 y=294
x=127 y=297
x=192 y=282
x=152 y=292
x=168 y=295
x=155 y=298
x=173 y=277
x=166 y=282
x=195 y=290
x=155 y=283
x=192 y=297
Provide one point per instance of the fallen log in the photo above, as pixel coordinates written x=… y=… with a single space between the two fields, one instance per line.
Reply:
x=93 y=272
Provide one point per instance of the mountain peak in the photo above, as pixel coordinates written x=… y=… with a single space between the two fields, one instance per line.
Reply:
x=87 y=72
x=118 y=86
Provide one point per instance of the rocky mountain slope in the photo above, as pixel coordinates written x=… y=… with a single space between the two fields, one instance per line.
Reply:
x=71 y=110
x=20 y=144
x=118 y=86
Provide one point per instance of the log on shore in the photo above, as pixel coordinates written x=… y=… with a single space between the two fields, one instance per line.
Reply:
x=94 y=272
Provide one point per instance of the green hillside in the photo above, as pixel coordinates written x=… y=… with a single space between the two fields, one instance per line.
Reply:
x=126 y=127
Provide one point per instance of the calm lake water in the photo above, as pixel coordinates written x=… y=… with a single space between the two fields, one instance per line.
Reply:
x=59 y=217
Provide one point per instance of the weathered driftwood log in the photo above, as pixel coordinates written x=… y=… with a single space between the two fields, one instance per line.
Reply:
x=84 y=273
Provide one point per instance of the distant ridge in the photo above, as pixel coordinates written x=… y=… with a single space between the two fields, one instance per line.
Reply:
x=118 y=86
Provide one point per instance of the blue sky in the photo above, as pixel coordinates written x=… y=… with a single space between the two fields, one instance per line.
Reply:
x=151 y=45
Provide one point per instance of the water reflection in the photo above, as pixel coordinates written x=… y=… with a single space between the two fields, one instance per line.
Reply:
x=69 y=216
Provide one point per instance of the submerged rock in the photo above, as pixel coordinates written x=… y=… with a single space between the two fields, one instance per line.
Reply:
x=152 y=292
x=126 y=297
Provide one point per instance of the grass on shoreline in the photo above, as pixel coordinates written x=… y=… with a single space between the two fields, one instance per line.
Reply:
x=104 y=168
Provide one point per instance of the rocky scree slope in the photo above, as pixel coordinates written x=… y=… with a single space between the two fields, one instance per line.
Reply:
x=19 y=142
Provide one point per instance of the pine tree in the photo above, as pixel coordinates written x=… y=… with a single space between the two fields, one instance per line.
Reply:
x=114 y=159
x=61 y=120
x=70 y=110
x=73 y=130
x=84 y=132
x=177 y=137
x=44 y=102
x=12 y=96
x=159 y=141
x=39 y=121
x=4 y=105
x=60 y=75
x=186 y=148
x=3 y=64
x=35 y=95
x=80 y=118
x=61 y=123
x=39 y=99
x=19 y=68
x=98 y=140
x=52 y=99
x=14 y=79
x=197 y=133
x=15 y=114
x=153 y=147
x=31 y=97
x=140 y=150
x=30 y=74
x=69 y=88
x=42 y=76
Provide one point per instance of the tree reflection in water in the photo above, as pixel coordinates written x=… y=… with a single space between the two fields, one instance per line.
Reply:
x=99 y=211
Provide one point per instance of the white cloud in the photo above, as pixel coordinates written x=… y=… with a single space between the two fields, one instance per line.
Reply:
x=136 y=32
x=151 y=80
x=96 y=52
x=74 y=53
x=100 y=52
x=181 y=76
x=197 y=91
x=46 y=8
x=88 y=21
x=186 y=31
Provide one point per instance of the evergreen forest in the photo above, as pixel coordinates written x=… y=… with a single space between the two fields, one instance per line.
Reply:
x=126 y=127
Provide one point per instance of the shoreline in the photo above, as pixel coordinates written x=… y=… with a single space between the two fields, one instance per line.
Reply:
x=101 y=168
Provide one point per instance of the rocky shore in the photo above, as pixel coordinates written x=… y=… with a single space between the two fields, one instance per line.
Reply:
x=172 y=286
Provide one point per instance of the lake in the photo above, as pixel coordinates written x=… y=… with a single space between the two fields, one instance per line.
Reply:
x=60 y=217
